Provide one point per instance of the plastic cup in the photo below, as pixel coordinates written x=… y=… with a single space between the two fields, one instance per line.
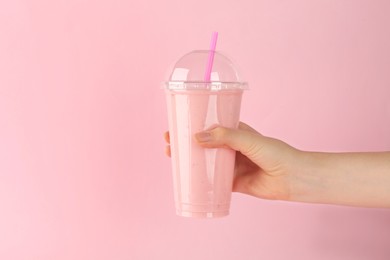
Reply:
x=202 y=178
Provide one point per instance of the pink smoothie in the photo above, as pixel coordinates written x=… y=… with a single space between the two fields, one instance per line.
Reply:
x=203 y=178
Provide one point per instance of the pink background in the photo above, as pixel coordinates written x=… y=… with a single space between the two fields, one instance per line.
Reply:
x=82 y=169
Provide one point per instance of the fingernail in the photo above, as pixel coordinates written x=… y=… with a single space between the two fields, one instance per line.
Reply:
x=204 y=136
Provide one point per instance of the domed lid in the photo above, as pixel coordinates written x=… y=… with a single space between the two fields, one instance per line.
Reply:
x=190 y=70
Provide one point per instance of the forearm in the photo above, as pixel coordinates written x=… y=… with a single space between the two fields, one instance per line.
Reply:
x=355 y=179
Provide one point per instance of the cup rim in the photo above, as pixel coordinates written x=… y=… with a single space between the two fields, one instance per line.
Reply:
x=202 y=85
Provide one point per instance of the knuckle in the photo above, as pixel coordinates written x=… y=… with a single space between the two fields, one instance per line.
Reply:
x=253 y=148
x=220 y=133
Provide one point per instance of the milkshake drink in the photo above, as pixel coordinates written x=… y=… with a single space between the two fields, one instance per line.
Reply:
x=203 y=178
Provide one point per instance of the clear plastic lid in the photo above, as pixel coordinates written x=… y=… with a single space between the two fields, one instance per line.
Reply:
x=189 y=73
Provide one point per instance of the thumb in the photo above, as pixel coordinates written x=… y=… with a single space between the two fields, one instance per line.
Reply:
x=247 y=142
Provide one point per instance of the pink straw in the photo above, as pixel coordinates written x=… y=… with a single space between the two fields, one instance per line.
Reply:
x=207 y=75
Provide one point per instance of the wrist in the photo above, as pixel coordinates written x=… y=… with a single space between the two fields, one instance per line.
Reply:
x=307 y=183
